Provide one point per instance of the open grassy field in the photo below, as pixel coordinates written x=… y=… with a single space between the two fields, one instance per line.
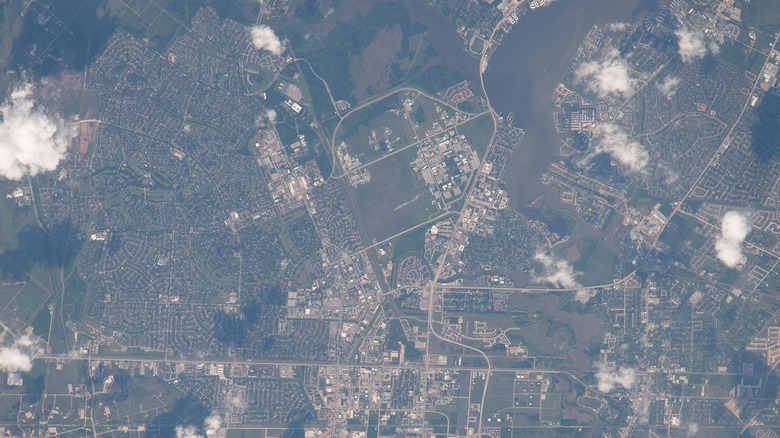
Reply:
x=500 y=392
x=598 y=262
x=736 y=56
x=395 y=199
x=679 y=230
x=413 y=241
x=760 y=12
x=478 y=131
x=246 y=433
x=548 y=336
x=9 y=291
x=25 y=262
x=377 y=130
x=23 y=245
x=558 y=220
x=28 y=301
x=426 y=112
x=75 y=293
x=380 y=37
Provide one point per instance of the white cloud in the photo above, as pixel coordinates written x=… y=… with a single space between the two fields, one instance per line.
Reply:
x=584 y=295
x=713 y=47
x=691 y=429
x=560 y=273
x=670 y=176
x=212 y=424
x=268 y=118
x=187 y=432
x=618 y=26
x=608 y=378
x=270 y=115
x=641 y=408
x=31 y=141
x=734 y=228
x=264 y=38
x=20 y=354
x=668 y=86
x=238 y=402
x=611 y=139
x=691 y=44
x=608 y=76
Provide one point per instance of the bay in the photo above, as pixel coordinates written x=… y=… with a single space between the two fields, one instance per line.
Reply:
x=525 y=70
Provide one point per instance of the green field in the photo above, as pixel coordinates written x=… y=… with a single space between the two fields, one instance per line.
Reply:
x=425 y=113
x=478 y=131
x=386 y=126
x=760 y=12
x=25 y=262
x=437 y=78
x=140 y=394
x=23 y=245
x=395 y=199
x=599 y=263
x=246 y=433
x=736 y=56
x=558 y=220
x=348 y=40
x=548 y=337
x=413 y=241
x=302 y=275
x=27 y=301
x=41 y=324
x=315 y=92
x=500 y=393
x=678 y=231
x=8 y=292
x=377 y=130
x=551 y=408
